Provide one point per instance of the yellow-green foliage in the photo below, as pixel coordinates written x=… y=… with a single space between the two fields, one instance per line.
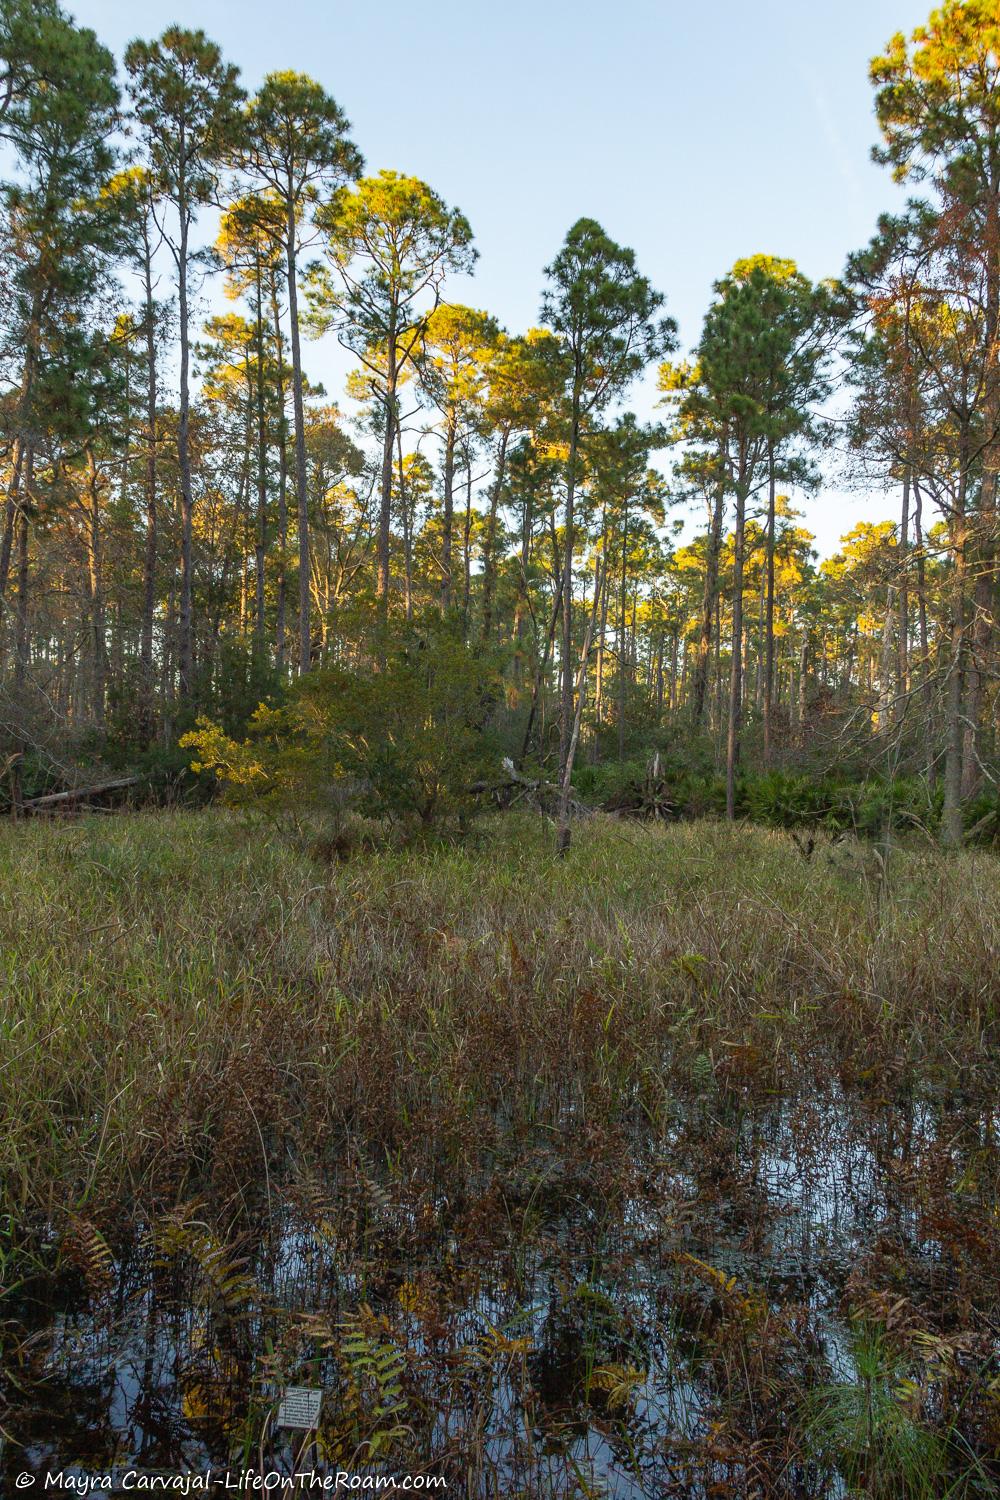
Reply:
x=407 y=739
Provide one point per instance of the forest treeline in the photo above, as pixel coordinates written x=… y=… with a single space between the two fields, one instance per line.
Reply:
x=487 y=561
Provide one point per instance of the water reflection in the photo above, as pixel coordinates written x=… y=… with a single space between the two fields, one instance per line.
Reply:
x=544 y=1333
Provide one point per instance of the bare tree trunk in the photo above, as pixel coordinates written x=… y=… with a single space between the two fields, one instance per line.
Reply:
x=566 y=696
x=903 y=642
x=952 y=829
x=149 y=559
x=282 y=582
x=566 y=779
x=622 y=687
x=736 y=673
x=186 y=621
x=979 y=650
x=299 y=416
x=11 y=509
x=20 y=646
x=885 y=673
x=385 y=505
x=490 y=540
x=952 y=826
x=447 y=511
x=710 y=596
x=521 y=607
x=467 y=548
x=21 y=640
x=599 y=668
x=406 y=521
x=96 y=590
x=23 y=441
x=925 y=665
x=540 y=670
x=260 y=550
x=769 y=613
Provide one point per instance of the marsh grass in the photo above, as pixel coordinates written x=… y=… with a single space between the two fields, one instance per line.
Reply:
x=183 y=995
x=430 y=1056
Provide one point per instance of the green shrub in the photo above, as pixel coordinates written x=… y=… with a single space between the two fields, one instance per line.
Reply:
x=788 y=799
x=406 y=740
x=982 y=818
x=782 y=798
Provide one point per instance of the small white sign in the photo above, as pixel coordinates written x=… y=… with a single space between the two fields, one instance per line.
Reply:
x=300 y=1407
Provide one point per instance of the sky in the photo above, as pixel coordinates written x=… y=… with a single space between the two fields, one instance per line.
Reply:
x=695 y=132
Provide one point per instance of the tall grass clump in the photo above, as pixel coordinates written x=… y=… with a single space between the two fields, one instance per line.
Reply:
x=189 y=1000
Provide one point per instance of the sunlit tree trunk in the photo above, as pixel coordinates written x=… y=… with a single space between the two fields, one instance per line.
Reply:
x=299 y=421
x=769 y=614
x=95 y=589
x=186 y=620
x=260 y=548
x=448 y=509
x=710 y=599
x=952 y=829
x=281 y=582
x=490 y=539
x=467 y=548
x=736 y=669
x=569 y=545
x=146 y=669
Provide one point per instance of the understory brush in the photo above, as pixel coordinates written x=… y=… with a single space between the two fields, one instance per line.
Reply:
x=873 y=806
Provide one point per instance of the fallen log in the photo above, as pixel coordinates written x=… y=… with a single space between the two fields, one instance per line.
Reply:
x=77 y=794
x=541 y=795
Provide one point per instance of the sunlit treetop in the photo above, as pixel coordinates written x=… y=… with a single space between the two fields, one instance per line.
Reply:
x=251 y=241
x=938 y=98
x=186 y=100
x=400 y=226
x=296 y=137
x=605 y=313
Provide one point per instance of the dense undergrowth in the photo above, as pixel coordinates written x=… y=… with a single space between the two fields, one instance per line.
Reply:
x=869 y=804
x=858 y=800
x=426 y=1058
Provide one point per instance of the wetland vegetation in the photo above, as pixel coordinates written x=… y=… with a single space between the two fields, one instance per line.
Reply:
x=668 y=1167
x=521 y=957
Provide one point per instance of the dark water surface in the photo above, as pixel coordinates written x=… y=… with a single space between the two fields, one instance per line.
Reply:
x=656 y=1327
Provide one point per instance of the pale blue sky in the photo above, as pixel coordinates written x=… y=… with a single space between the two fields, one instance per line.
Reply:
x=696 y=133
